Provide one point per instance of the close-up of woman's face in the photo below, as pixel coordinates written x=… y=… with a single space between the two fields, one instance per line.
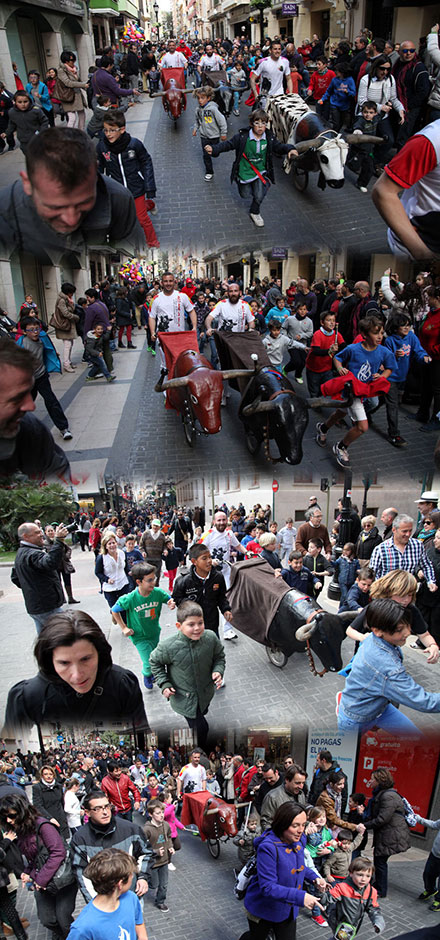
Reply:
x=111 y=545
x=47 y=775
x=296 y=828
x=77 y=665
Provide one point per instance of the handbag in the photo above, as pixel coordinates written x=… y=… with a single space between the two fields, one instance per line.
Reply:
x=65 y=93
x=64 y=875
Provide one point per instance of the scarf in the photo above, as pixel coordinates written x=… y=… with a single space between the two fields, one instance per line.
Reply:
x=71 y=68
x=117 y=146
x=401 y=76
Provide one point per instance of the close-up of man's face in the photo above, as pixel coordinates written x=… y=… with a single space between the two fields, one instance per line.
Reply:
x=61 y=208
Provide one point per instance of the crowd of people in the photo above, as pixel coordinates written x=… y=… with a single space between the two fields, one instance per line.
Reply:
x=105 y=821
x=383 y=337
x=387 y=91
x=388 y=581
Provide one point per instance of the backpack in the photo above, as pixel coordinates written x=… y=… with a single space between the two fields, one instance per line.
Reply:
x=409 y=813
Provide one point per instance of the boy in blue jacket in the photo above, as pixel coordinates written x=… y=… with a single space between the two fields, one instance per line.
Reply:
x=301 y=578
x=46 y=360
x=403 y=342
x=126 y=160
x=341 y=93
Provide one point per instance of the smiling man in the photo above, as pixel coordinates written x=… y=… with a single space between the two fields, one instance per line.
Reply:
x=36 y=572
x=61 y=204
x=26 y=445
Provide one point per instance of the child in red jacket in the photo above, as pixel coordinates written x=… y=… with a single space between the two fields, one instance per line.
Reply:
x=351 y=899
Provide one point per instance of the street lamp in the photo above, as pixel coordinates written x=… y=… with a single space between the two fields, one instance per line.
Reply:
x=156 y=13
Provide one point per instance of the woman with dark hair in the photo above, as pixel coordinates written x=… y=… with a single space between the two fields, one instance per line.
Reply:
x=276 y=893
x=385 y=816
x=48 y=797
x=35 y=836
x=379 y=86
x=330 y=799
x=77 y=680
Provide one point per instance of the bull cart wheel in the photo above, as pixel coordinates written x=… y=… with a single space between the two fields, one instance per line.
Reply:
x=214 y=847
x=189 y=424
x=276 y=656
x=300 y=178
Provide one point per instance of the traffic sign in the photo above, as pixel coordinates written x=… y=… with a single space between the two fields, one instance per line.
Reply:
x=275 y=486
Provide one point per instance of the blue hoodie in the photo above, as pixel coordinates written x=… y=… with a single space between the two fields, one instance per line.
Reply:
x=340 y=99
x=277 y=888
x=411 y=346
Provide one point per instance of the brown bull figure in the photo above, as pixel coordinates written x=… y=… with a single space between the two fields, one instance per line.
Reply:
x=195 y=391
x=219 y=819
x=173 y=95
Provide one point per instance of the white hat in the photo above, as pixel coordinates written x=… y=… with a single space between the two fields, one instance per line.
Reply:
x=156 y=522
x=428 y=496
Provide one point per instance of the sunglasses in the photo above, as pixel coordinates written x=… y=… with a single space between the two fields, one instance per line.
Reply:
x=407 y=51
x=383 y=68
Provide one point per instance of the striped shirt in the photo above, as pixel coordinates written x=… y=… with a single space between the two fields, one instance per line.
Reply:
x=387 y=557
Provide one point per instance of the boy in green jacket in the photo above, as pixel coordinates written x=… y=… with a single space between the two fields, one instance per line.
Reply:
x=189 y=667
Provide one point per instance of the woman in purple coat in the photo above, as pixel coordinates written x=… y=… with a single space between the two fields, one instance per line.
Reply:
x=276 y=893
x=21 y=824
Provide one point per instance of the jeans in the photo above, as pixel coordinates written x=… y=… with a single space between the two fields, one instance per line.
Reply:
x=338 y=118
x=202 y=343
x=53 y=407
x=207 y=159
x=258 y=191
x=127 y=815
x=381 y=874
x=315 y=380
x=106 y=352
x=113 y=596
x=323 y=110
x=55 y=910
x=296 y=362
x=142 y=213
x=40 y=619
x=391 y=719
x=392 y=407
x=158 y=881
x=431 y=875
x=97 y=365
x=367 y=169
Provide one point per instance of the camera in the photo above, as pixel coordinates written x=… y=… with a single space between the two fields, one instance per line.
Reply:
x=72 y=527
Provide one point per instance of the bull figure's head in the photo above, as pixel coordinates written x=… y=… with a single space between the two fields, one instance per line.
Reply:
x=283 y=419
x=331 y=153
x=204 y=388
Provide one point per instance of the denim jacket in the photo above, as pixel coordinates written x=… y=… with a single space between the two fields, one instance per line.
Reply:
x=377 y=678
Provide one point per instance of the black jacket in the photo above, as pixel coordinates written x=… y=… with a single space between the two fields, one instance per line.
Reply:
x=365 y=547
x=116 y=695
x=417 y=83
x=320 y=781
x=181 y=527
x=210 y=594
x=121 y=834
x=387 y=820
x=26 y=123
x=35 y=571
x=49 y=802
x=132 y=167
x=238 y=143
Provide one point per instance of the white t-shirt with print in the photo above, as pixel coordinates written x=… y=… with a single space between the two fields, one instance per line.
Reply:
x=173 y=60
x=275 y=72
x=192 y=778
x=169 y=311
x=233 y=317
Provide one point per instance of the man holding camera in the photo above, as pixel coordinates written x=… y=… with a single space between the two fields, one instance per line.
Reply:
x=36 y=572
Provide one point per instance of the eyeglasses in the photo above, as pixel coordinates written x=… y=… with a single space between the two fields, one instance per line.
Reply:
x=99 y=809
x=407 y=51
x=32 y=329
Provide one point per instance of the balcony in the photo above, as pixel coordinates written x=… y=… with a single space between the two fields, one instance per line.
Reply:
x=104 y=7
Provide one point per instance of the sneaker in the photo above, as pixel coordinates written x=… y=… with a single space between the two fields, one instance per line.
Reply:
x=163 y=907
x=432 y=425
x=257 y=219
x=171 y=867
x=321 y=437
x=341 y=454
x=236 y=112
x=153 y=211
x=397 y=441
x=299 y=380
x=208 y=176
x=230 y=634
x=148 y=683
x=426 y=895
x=110 y=378
x=67 y=435
x=91 y=378
x=434 y=906
x=320 y=920
x=362 y=189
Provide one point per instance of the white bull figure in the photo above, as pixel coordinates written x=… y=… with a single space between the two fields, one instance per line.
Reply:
x=321 y=149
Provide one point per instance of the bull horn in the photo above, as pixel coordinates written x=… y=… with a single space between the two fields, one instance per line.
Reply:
x=172 y=383
x=236 y=373
x=258 y=407
x=326 y=402
x=209 y=812
x=158 y=94
x=305 y=145
x=306 y=631
x=363 y=139
x=348 y=615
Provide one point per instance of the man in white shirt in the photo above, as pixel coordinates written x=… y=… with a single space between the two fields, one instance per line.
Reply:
x=274 y=68
x=169 y=309
x=233 y=314
x=210 y=61
x=192 y=777
x=173 y=59
x=220 y=542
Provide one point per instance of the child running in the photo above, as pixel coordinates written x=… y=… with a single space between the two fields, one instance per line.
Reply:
x=143 y=607
x=351 y=899
x=407 y=348
x=189 y=667
x=252 y=169
x=211 y=123
x=158 y=833
x=366 y=361
x=116 y=910
x=319 y=362
x=431 y=871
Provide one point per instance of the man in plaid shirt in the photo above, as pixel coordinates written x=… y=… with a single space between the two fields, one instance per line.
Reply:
x=402 y=551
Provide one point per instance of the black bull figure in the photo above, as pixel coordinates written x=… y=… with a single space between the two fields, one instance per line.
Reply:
x=269 y=408
x=267 y=610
